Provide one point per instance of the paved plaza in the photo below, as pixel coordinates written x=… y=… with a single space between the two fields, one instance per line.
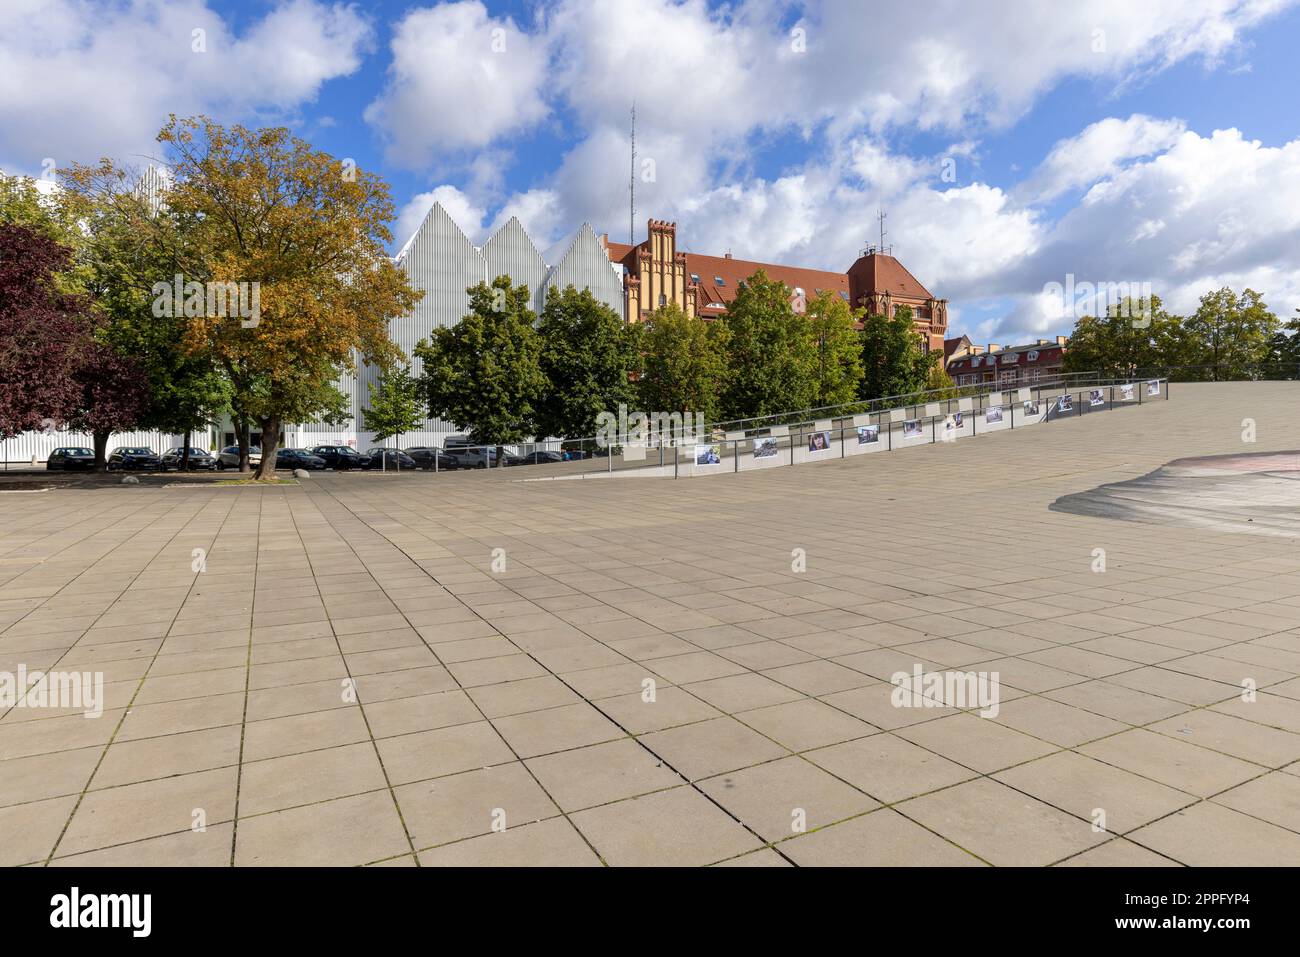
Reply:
x=472 y=669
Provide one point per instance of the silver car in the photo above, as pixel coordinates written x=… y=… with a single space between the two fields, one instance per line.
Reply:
x=228 y=458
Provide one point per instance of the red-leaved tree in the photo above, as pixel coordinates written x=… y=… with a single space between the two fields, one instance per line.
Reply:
x=44 y=333
x=114 y=397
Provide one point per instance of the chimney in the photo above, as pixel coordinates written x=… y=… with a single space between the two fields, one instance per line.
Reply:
x=1044 y=342
x=727 y=254
x=994 y=347
x=976 y=350
x=1062 y=340
x=604 y=240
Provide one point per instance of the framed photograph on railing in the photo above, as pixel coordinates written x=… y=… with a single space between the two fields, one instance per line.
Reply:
x=993 y=414
x=868 y=434
x=912 y=428
x=765 y=448
x=1126 y=392
x=1153 y=387
x=819 y=442
x=708 y=454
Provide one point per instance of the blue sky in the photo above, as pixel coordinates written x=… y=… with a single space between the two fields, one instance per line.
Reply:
x=1082 y=138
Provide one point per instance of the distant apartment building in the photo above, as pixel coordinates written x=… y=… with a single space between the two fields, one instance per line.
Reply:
x=1003 y=366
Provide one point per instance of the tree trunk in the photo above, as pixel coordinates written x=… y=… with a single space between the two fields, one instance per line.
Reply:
x=270 y=442
x=241 y=437
x=185 y=453
x=101 y=450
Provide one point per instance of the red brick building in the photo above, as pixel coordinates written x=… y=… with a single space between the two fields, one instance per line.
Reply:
x=655 y=274
x=1007 y=366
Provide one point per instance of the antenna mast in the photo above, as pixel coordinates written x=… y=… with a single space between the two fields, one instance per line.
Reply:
x=631 y=186
x=880 y=215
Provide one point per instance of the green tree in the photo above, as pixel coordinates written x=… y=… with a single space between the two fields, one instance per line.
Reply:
x=303 y=238
x=892 y=360
x=1284 y=351
x=588 y=356
x=1134 y=336
x=187 y=392
x=939 y=383
x=395 y=406
x=838 y=362
x=684 y=364
x=1231 y=334
x=484 y=374
x=771 y=355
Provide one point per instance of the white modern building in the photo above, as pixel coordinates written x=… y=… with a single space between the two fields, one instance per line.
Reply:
x=442 y=261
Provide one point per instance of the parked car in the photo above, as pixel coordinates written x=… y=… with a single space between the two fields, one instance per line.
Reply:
x=574 y=455
x=133 y=458
x=199 y=459
x=228 y=458
x=298 y=459
x=341 y=458
x=70 y=459
x=389 y=460
x=542 y=458
x=472 y=458
x=426 y=456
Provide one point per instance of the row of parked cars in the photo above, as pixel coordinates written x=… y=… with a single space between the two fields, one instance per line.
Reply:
x=341 y=458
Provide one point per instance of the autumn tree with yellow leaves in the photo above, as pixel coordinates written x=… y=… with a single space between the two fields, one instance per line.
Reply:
x=281 y=276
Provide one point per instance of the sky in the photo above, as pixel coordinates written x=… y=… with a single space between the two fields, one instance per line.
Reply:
x=1011 y=143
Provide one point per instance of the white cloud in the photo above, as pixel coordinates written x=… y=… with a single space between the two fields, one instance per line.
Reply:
x=81 y=80
x=1099 y=151
x=463 y=211
x=458 y=79
x=1206 y=212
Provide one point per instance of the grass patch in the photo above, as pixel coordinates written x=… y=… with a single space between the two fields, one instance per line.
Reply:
x=251 y=481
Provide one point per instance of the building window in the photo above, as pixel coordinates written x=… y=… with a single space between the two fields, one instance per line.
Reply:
x=695 y=277
x=663 y=299
x=719 y=281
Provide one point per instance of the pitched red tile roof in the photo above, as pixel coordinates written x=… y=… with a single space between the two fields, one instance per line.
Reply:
x=878 y=273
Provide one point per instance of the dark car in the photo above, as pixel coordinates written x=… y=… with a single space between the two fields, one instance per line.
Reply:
x=426 y=457
x=298 y=459
x=341 y=458
x=199 y=459
x=574 y=455
x=71 y=458
x=389 y=460
x=542 y=458
x=133 y=458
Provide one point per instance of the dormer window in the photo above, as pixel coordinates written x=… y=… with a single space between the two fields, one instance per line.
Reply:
x=719 y=281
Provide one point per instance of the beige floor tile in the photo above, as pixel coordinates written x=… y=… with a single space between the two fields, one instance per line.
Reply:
x=31 y=830
x=680 y=827
x=207 y=848
x=1175 y=763
x=889 y=768
x=807 y=723
x=978 y=743
x=711 y=747
x=1207 y=835
x=1001 y=826
x=463 y=805
x=671 y=707
x=556 y=729
x=786 y=797
x=278 y=783
x=1274 y=797
x=431 y=754
x=150 y=809
x=342 y=833
x=882 y=838
x=1083 y=785
x=600 y=773
x=552 y=843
